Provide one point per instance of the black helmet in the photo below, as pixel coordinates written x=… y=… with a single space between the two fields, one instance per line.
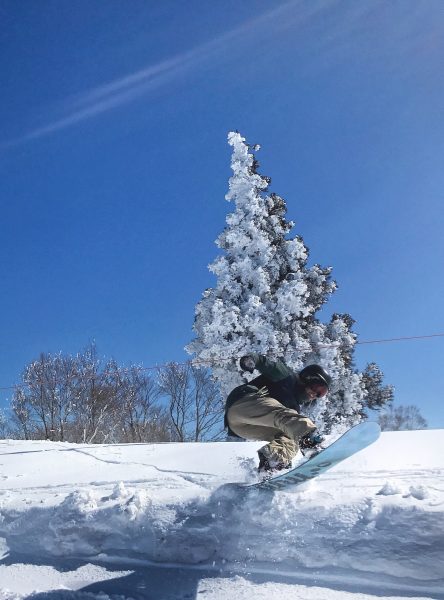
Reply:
x=315 y=374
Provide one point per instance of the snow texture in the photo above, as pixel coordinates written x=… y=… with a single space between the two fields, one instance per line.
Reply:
x=139 y=521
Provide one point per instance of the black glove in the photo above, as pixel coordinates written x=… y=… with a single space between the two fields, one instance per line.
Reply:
x=311 y=440
x=247 y=364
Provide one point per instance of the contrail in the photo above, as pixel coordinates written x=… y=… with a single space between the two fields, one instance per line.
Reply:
x=345 y=27
x=122 y=91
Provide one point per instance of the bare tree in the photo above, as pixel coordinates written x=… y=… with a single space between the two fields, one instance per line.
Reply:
x=207 y=405
x=5 y=429
x=42 y=407
x=96 y=399
x=195 y=405
x=63 y=392
x=140 y=417
x=37 y=399
x=82 y=399
x=402 y=418
x=21 y=422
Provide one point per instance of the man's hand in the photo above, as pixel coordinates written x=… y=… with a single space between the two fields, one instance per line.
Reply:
x=247 y=364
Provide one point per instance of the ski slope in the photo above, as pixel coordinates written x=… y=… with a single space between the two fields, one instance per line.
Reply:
x=100 y=522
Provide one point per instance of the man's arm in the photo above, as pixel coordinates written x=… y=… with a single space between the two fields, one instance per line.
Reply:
x=273 y=369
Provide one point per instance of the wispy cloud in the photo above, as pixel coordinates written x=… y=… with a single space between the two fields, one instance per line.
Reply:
x=326 y=32
x=124 y=90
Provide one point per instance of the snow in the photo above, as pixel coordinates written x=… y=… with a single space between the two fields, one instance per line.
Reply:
x=157 y=521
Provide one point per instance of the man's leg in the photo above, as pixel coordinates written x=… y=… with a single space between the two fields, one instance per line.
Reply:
x=263 y=418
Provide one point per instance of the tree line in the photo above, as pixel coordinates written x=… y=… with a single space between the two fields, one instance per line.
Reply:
x=85 y=399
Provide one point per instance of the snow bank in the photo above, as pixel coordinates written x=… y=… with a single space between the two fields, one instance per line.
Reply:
x=377 y=516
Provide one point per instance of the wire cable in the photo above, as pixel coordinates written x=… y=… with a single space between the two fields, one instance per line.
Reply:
x=210 y=362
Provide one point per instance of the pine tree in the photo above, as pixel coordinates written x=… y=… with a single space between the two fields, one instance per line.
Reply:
x=266 y=297
x=379 y=395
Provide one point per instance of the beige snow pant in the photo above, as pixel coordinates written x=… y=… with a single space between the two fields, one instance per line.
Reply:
x=259 y=417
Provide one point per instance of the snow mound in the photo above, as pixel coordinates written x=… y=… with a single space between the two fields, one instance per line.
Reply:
x=367 y=519
x=420 y=492
x=390 y=488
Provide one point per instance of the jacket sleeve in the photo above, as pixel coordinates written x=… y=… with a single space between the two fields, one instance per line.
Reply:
x=276 y=369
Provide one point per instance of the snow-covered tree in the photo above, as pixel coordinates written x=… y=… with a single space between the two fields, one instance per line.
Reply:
x=266 y=297
x=378 y=394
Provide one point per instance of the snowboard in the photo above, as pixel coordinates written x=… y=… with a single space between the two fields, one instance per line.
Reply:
x=355 y=439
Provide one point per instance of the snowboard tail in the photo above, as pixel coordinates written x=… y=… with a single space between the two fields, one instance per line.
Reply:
x=355 y=439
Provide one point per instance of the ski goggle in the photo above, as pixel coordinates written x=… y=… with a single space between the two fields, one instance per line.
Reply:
x=319 y=389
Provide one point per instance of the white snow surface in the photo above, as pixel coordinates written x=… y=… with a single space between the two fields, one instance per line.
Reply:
x=156 y=521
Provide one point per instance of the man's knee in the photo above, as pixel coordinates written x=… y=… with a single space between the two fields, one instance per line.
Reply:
x=308 y=424
x=293 y=424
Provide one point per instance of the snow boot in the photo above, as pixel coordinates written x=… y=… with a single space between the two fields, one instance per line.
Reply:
x=268 y=467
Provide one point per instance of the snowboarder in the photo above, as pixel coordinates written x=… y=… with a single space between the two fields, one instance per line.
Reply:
x=268 y=408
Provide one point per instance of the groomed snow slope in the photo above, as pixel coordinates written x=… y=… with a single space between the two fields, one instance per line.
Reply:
x=155 y=521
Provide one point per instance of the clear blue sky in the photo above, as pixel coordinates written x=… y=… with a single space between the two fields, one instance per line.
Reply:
x=114 y=166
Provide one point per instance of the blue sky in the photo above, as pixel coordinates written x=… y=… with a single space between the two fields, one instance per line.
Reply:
x=114 y=166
